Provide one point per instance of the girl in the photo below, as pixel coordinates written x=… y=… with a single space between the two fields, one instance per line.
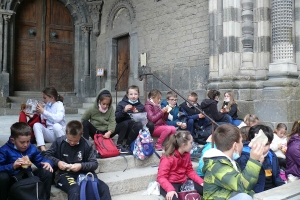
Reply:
x=293 y=151
x=231 y=108
x=249 y=120
x=175 y=166
x=53 y=114
x=279 y=143
x=99 y=118
x=127 y=128
x=158 y=116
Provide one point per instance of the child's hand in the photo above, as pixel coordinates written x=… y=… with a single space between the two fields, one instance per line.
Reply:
x=201 y=116
x=257 y=150
x=179 y=123
x=47 y=166
x=39 y=108
x=18 y=163
x=164 y=110
x=170 y=195
x=183 y=125
x=62 y=165
x=128 y=107
x=107 y=134
x=76 y=167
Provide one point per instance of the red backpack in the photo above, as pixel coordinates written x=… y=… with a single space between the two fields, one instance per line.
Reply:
x=105 y=146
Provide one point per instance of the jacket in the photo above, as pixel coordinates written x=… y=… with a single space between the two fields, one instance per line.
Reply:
x=292 y=156
x=223 y=176
x=83 y=153
x=191 y=112
x=155 y=114
x=174 y=113
x=175 y=169
x=233 y=110
x=209 y=106
x=54 y=114
x=260 y=186
x=101 y=121
x=121 y=115
x=8 y=155
x=274 y=145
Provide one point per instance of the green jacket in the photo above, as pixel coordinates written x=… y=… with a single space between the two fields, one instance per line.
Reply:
x=221 y=178
x=101 y=121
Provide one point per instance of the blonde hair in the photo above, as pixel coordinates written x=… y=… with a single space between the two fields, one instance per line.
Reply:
x=250 y=119
x=231 y=101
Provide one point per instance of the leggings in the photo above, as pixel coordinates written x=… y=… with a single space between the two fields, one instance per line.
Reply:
x=163 y=132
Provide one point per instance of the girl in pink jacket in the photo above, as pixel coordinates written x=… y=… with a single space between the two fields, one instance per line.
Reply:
x=176 y=165
x=158 y=116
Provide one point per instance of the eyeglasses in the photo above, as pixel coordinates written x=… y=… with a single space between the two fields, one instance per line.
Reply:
x=173 y=99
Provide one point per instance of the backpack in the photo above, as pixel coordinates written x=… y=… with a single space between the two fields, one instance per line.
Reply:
x=27 y=187
x=89 y=188
x=189 y=195
x=105 y=146
x=142 y=147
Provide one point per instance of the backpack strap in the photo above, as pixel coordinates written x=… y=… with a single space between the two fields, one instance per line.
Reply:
x=21 y=173
x=156 y=153
x=82 y=190
x=94 y=185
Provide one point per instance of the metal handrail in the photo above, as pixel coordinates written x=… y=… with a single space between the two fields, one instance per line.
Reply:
x=118 y=83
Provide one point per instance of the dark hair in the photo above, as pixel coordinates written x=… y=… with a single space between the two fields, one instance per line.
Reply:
x=213 y=93
x=175 y=141
x=74 y=128
x=266 y=129
x=280 y=126
x=245 y=131
x=225 y=135
x=295 y=129
x=103 y=95
x=133 y=87
x=153 y=93
x=20 y=129
x=52 y=92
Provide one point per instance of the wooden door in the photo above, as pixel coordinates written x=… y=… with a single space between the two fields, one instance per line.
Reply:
x=44 y=46
x=123 y=62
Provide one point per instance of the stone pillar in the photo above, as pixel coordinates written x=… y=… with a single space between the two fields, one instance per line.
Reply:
x=282 y=35
x=95 y=11
x=6 y=21
x=1 y=42
x=86 y=30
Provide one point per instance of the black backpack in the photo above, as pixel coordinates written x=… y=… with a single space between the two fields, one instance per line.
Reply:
x=27 y=187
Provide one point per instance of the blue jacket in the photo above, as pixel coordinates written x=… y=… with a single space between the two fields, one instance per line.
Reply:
x=259 y=187
x=174 y=112
x=8 y=155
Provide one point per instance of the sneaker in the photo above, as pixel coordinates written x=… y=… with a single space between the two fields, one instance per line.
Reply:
x=158 y=147
x=124 y=149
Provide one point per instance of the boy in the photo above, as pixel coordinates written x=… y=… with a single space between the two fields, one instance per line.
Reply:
x=11 y=160
x=74 y=155
x=223 y=178
x=173 y=117
x=269 y=173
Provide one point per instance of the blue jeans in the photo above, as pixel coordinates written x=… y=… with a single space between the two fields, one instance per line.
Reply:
x=241 y=196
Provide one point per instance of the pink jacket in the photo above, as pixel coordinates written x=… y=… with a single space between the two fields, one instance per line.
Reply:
x=176 y=169
x=155 y=115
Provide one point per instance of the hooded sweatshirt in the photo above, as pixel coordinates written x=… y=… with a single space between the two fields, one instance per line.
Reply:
x=101 y=121
x=209 y=106
x=292 y=156
x=223 y=176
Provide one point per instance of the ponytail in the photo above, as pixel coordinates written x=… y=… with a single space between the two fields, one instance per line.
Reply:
x=175 y=141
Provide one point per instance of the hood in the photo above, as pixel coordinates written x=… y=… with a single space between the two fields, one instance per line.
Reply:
x=294 y=138
x=10 y=144
x=207 y=102
x=103 y=91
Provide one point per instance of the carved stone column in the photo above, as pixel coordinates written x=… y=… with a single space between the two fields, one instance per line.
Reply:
x=282 y=35
x=95 y=11
x=6 y=21
x=86 y=30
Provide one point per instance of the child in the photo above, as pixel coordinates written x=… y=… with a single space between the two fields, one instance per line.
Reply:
x=99 y=118
x=53 y=113
x=193 y=115
x=158 y=116
x=249 y=120
x=293 y=151
x=269 y=173
x=230 y=107
x=74 y=155
x=206 y=147
x=223 y=178
x=173 y=117
x=279 y=143
x=127 y=128
x=175 y=166
x=11 y=160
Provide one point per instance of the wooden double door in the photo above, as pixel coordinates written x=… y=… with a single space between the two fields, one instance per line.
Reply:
x=44 y=46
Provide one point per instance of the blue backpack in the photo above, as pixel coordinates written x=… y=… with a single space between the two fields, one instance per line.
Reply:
x=89 y=188
x=142 y=148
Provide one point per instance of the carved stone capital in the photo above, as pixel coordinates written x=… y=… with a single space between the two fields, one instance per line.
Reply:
x=86 y=29
x=6 y=18
x=95 y=11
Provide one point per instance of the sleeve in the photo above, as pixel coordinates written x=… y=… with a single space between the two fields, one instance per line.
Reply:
x=293 y=153
x=274 y=144
x=58 y=116
x=112 y=121
x=86 y=115
x=215 y=113
x=38 y=158
x=192 y=174
x=91 y=164
x=52 y=153
x=120 y=114
x=152 y=115
x=5 y=167
x=242 y=161
x=163 y=174
x=233 y=110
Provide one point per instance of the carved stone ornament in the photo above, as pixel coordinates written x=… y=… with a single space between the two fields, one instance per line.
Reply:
x=6 y=18
x=86 y=29
x=95 y=11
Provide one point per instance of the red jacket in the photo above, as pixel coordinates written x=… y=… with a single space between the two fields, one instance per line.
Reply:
x=155 y=114
x=176 y=169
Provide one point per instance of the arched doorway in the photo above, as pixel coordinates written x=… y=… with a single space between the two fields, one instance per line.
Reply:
x=44 y=46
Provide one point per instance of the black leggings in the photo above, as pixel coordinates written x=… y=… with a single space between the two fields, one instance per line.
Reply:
x=177 y=186
x=90 y=130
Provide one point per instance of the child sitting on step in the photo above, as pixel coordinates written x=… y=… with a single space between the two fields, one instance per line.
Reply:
x=279 y=143
x=158 y=116
x=176 y=166
x=74 y=155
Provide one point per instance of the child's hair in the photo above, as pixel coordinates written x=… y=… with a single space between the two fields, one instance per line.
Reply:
x=245 y=131
x=74 y=128
x=194 y=95
x=23 y=106
x=232 y=100
x=133 y=87
x=105 y=94
x=213 y=93
x=153 y=93
x=228 y=131
x=250 y=119
x=266 y=129
x=171 y=94
x=20 y=129
x=175 y=141
x=52 y=92
x=280 y=126
x=295 y=129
